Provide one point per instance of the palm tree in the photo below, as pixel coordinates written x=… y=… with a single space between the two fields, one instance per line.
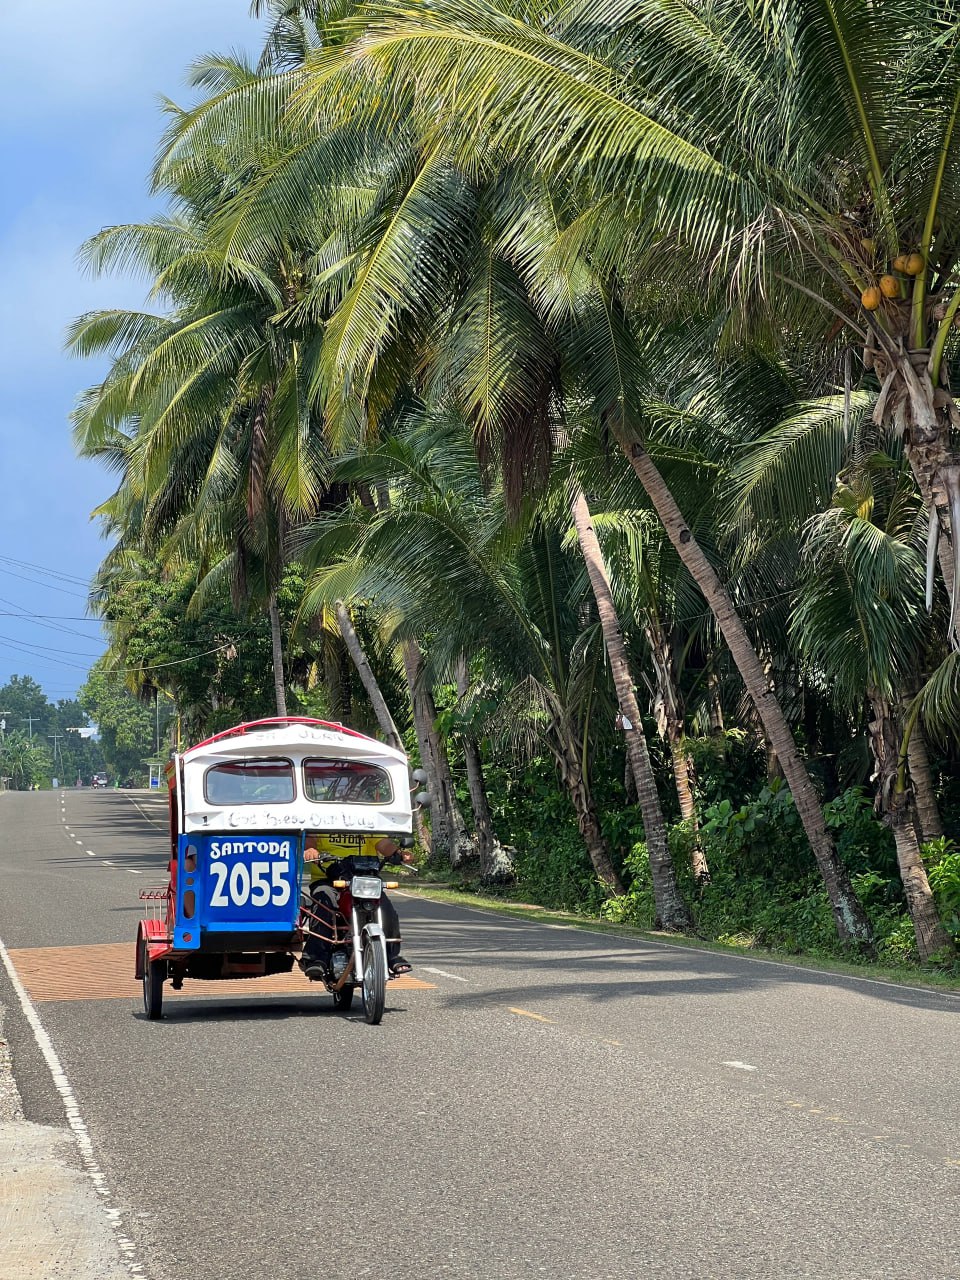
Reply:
x=805 y=154
x=860 y=618
x=206 y=406
x=446 y=560
x=505 y=382
x=437 y=271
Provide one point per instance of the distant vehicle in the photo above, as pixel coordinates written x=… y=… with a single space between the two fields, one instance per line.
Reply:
x=99 y=779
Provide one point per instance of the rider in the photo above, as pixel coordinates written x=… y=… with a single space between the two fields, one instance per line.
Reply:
x=321 y=854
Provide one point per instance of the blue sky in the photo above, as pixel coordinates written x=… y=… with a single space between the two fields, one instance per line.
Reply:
x=79 y=124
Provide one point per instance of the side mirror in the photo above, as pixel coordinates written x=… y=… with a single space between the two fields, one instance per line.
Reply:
x=419 y=775
x=422 y=797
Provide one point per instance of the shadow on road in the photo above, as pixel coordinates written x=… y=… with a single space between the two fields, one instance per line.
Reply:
x=648 y=969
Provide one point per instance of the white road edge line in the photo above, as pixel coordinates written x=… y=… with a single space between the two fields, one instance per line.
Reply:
x=153 y=821
x=740 y=1066
x=443 y=974
x=74 y=1118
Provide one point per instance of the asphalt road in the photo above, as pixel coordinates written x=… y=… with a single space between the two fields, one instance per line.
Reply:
x=561 y=1104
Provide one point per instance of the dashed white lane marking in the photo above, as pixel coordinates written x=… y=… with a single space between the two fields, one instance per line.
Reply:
x=132 y=872
x=91 y=854
x=79 y=841
x=740 y=1066
x=443 y=974
x=74 y=1118
x=107 y=862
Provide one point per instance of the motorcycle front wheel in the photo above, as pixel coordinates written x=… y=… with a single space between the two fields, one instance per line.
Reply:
x=374 y=982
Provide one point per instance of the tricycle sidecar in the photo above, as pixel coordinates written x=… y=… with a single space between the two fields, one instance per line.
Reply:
x=240 y=804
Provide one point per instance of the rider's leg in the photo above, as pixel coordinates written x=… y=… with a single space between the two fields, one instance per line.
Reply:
x=391 y=927
x=319 y=942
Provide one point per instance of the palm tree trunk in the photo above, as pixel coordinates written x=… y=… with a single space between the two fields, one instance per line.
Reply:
x=487 y=843
x=714 y=706
x=666 y=710
x=927 y=447
x=672 y=912
x=851 y=921
x=925 y=796
x=571 y=774
x=930 y=934
x=369 y=681
x=277 y=642
x=448 y=829
x=894 y=803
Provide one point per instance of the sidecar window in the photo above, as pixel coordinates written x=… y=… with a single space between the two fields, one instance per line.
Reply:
x=346 y=782
x=250 y=782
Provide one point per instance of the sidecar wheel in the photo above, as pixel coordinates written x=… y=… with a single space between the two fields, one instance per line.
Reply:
x=343 y=999
x=374 y=982
x=153 y=975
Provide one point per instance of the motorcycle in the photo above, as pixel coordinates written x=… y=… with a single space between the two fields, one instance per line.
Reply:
x=355 y=931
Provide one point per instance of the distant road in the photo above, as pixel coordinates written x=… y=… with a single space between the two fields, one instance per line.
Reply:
x=544 y=1103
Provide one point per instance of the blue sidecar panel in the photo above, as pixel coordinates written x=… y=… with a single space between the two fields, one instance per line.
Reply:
x=239 y=883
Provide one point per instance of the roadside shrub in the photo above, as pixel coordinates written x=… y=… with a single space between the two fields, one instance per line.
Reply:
x=728 y=763
x=559 y=874
x=636 y=905
x=942 y=860
x=899 y=945
x=763 y=836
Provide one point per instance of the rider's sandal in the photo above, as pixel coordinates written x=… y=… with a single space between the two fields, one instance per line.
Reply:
x=399 y=967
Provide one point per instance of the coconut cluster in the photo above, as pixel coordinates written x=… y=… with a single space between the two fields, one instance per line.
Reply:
x=890 y=285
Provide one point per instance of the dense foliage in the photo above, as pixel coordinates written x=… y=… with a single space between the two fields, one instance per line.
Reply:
x=565 y=392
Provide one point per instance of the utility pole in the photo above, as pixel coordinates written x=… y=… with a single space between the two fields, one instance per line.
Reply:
x=31 y=719
x=56 y=746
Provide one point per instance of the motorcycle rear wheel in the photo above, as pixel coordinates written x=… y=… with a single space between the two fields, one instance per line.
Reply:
x=374 y=982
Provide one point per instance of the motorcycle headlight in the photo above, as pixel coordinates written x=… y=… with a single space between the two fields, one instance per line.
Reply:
x=366 y=887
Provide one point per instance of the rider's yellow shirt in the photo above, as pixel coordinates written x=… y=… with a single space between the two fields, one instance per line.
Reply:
x=332 y=847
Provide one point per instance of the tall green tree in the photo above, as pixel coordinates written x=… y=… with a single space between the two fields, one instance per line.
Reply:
x=859 y=616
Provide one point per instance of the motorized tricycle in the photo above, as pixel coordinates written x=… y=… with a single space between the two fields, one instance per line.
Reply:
x=241 y=805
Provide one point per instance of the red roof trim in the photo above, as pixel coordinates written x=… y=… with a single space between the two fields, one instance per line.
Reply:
x=276 y=721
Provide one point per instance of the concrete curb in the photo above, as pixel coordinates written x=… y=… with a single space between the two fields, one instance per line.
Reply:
x=52 y=1224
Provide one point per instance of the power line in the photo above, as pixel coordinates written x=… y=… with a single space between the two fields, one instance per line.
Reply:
x=34 y=617
x=52 y=573
x=6 y=642
x=60 y=662
x=178 y=662
x=29 y=644
x=47 y=586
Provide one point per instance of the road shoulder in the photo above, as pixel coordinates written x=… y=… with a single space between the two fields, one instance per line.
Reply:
x=53 y=1225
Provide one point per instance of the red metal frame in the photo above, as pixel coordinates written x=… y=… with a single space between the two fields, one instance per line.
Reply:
x=241 y=729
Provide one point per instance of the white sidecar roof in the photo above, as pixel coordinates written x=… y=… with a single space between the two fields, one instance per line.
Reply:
x=294 y=743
